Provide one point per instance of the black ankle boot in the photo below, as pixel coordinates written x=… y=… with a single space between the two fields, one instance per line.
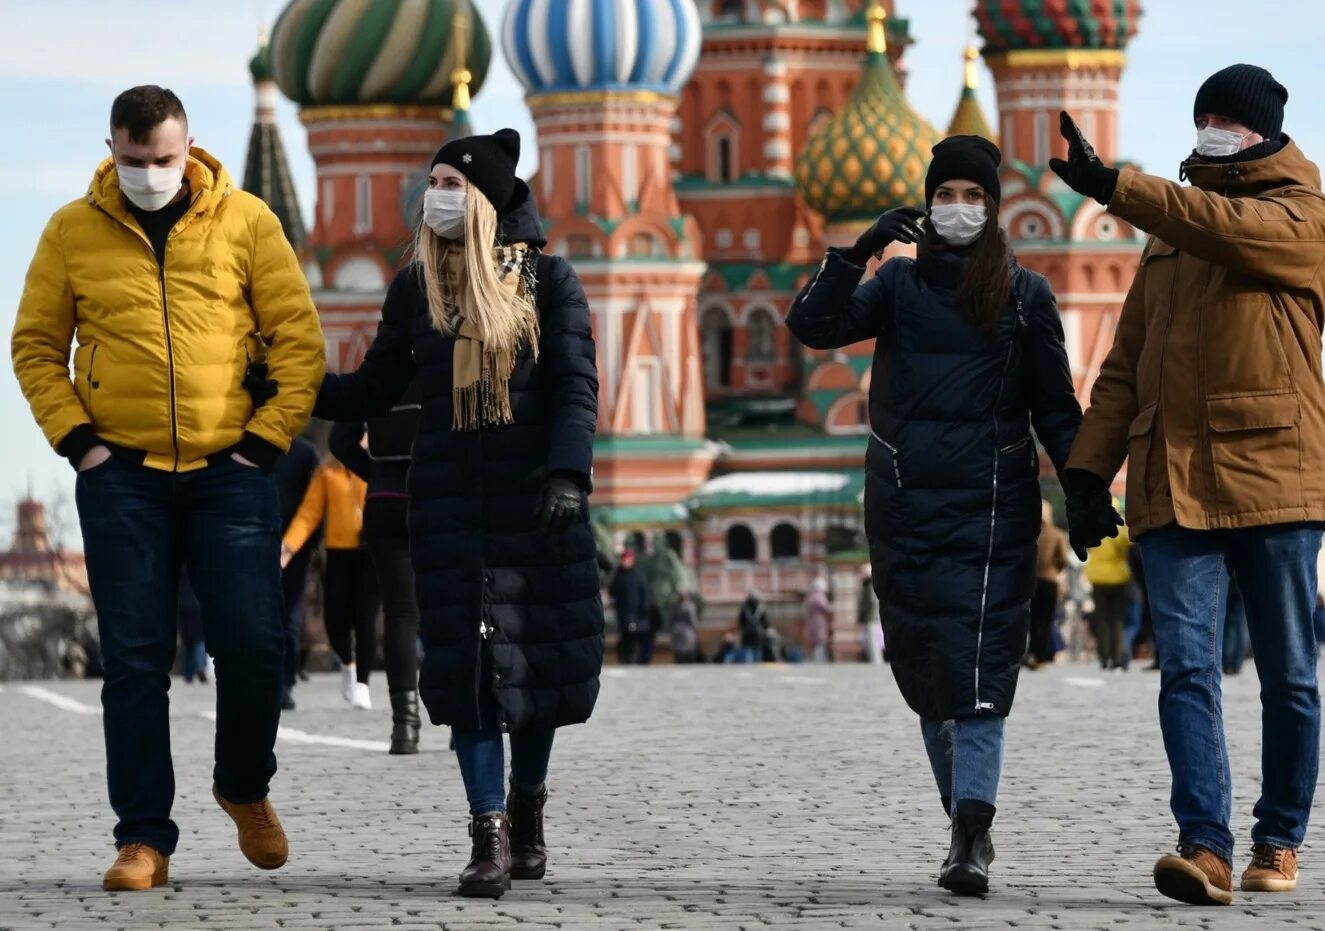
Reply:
x=488 y=874
x=404 y=722
x=947 y=810
x=528 y=849
x=967 y=869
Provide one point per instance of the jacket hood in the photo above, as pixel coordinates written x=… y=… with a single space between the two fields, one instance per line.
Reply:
x=522 y=222
x=208 y=179
x=1287 y=168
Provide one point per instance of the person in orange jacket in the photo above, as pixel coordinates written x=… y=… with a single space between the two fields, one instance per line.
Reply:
x=349 y=586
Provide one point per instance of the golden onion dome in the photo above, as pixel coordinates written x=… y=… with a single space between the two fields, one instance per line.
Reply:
x=969 y=119
x=873 y=154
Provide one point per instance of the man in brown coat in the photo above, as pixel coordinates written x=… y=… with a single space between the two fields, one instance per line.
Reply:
x=1213 y=393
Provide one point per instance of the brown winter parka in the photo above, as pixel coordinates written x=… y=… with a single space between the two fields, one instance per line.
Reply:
x=1213 y=388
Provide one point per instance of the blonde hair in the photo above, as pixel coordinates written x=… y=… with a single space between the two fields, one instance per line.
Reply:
x=506 y=317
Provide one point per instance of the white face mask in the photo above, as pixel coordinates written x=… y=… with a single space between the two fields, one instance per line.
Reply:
x=444 y=212
x=150 y=188
x=959 y=224
x=1216 y=143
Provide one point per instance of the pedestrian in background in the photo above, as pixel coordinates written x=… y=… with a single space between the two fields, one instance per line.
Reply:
x=631 y=600
x=379 y=453
x=192 y=648
x=684 y=629
x=1213 y=394
x=818 y=621
x=1110 y=581
x=500 y=338
x=1050 y=561
x=173 y=453
x=752 y=623
x=1237 y=637
x=293 y=473
x=968 y=354
x=335 y=499
x=867 y=617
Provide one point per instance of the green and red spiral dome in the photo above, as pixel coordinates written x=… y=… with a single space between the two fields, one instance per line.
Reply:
x=1015 y=25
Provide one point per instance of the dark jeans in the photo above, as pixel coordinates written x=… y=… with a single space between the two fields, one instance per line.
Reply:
x=1044 y=606
x=139 y=526
x=482 y=754
x=1110 y=618
x=395 y=581
x=294 y=581
x=1187 y=581
x=350 y=609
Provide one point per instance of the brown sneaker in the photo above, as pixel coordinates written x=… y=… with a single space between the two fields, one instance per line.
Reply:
x=138 y=866
x=261 y=837
x=1273 y=869
x=1196 y=876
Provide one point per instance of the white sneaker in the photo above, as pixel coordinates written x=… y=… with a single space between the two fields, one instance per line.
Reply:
x=362 y=697
x=349 y=678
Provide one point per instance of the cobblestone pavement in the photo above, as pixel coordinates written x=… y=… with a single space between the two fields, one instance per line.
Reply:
x=698 y=798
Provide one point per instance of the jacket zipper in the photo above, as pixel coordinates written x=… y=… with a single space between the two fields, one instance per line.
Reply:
x=170 y=356
x=91 y=381
x=897 y=471
x=993 y=515
x=817 y=275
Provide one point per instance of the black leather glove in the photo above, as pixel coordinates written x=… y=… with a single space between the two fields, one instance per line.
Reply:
x=1090 y=513
x=1083 y=171
x=560 y=504
x=901 y=224
x=259 y=387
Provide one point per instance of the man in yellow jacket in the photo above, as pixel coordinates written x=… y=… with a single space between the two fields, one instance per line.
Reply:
x=1213 y=393
x=173 y=282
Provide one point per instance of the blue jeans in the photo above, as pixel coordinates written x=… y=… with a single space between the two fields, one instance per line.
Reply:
x=1187 y=581
x=139 y=526
x=966 y=756
x=482 y=757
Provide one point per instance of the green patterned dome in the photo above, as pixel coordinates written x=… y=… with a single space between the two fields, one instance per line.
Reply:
x=348 y=52
x=1013 y=25
x=871 y=156
x=260 y=64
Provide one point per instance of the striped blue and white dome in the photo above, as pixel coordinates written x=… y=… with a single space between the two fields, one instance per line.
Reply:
x=556 y=46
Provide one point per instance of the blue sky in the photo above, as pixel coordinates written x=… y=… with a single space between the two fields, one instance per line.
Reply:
x=63 y=61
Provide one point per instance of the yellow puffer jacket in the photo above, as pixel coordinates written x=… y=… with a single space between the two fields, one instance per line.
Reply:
x=162 y=352
x=1107 y=563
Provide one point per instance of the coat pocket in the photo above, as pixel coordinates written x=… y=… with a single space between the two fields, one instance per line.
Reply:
x=1139 y=435
x=1255 y=451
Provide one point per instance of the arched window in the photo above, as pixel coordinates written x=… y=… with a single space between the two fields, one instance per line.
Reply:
x=786 y=542
x=579 y=246
x=674 y=542
x=716 y=335
x=740 y=544
x=644 y=246
x=760 y=333
x=725 y=169
x=842 y=538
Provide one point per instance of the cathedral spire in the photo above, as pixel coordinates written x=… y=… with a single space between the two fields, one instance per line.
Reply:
x=267 y=170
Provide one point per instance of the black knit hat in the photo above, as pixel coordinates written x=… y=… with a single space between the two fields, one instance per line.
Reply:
x=488 y=162
x=1247 y=94
x=965 y=158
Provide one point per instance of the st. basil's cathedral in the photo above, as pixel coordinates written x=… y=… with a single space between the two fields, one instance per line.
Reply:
x=696 y=157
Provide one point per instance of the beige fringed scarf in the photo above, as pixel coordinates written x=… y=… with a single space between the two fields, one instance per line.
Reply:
x=480 y=377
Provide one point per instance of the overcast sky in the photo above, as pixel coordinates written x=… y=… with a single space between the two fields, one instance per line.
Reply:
x=63 y=61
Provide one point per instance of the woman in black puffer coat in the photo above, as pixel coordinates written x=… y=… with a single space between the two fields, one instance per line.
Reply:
x=969 y=355
x=511 y=617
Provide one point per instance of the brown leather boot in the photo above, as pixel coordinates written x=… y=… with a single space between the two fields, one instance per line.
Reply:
x=1273 y=869
x=488 y=875
x=528 y=850
x=1196 y=876
x=138 y=866
x=261 y=837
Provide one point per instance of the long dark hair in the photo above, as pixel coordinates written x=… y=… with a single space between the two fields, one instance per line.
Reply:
x=986 y=283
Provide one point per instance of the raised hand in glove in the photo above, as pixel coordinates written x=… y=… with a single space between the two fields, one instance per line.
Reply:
x=1090 y=513
x=559 y=506
x=259 y=387
x=901 y=224
x=1083 y=171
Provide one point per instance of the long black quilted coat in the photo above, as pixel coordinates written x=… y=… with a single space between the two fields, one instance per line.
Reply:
x=487 y=578
x=952 y=503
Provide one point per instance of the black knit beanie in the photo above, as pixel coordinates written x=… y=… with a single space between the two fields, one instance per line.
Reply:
x=488 y=162
x=1247 y=94
x=965 y=158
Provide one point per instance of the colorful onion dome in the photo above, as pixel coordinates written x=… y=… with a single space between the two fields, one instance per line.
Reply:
x=561 y=46
x=347 y=52
x=969 y=119
x=873 y=154
x=1013 y=25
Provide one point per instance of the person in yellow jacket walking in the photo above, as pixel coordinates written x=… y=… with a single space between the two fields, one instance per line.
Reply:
x=1110 y=576
x=169 y=279
x=349 y=583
